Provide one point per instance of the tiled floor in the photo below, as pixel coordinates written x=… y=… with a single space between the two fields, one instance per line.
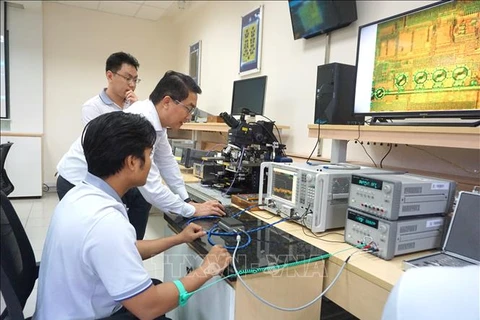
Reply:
x=35 y=216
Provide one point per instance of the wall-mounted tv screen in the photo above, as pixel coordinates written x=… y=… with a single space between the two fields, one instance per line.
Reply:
x=250 y=94
x=312 y=18
x=421 y=64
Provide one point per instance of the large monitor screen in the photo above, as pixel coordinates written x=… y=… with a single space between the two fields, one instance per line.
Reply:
x=249 y=93
x=312 y=18
x=421 y=63
x=284 y=184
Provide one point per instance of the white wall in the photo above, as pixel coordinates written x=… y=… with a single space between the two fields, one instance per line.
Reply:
x=290 y=65
x=77 y=43
x=58 y=58
x=26 y=68
x=291 y=69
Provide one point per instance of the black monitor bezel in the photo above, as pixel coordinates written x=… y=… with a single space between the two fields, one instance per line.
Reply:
x=339 y=25
x=466 y=114
x=237 y=113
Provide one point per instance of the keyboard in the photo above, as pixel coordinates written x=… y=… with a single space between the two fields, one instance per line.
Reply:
x=447 y=261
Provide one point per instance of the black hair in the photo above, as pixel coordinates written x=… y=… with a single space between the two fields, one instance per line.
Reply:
x=115 y=61
x=110 y=138
x=176 y=85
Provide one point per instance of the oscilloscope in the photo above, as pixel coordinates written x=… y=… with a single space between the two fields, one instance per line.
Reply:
x=316 y=197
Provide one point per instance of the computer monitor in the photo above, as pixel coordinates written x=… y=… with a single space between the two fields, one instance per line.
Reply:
x=421 y=64
x=249 y=93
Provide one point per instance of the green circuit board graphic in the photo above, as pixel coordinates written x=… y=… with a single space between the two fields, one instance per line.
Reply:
x=429 y=61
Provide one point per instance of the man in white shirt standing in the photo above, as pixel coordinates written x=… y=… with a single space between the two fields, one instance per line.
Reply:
x=121 y=71
x=171 y=104
x=92 y=263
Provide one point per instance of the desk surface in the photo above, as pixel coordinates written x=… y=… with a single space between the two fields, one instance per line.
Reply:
x=378 y=271
x=268 y=246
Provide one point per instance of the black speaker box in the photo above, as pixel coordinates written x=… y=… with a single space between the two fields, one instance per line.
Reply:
x=334 y=96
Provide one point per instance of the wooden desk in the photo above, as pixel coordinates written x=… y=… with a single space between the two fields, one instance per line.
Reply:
x=366 y=282
x=448 y=137
x=364 y=286
x=230 y=300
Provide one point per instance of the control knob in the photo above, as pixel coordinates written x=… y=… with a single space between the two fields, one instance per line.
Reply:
x=382 y=229
x=387 y=189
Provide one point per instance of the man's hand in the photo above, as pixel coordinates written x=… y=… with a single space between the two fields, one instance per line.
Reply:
x=216 y=261
x=130 y=97
x=211 y=207
x=191 y=232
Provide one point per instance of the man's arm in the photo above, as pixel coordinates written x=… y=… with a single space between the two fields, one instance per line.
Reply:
x=170 y=172
x=150 y=248
x=160 y=299
x=159 y=195
x=168 y=166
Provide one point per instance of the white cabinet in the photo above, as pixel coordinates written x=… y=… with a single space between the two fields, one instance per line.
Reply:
x=24 y=165
x=214 y=303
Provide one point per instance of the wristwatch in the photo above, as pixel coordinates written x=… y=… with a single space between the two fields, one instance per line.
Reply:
x=188 y=200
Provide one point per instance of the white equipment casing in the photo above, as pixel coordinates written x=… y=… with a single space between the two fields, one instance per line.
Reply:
x=317 y=196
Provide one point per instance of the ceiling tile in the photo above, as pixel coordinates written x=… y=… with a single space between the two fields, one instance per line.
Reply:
x=83 y=4
x=159 y=4
x=150 y=13
x=119 y=7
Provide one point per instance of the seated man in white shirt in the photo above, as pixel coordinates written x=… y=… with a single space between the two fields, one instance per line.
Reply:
x=170 y=105
x=121 y=72
x=92 y=263
x=440 y=293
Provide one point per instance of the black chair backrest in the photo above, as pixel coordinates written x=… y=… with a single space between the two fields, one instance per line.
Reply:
x=19 y=268
x=5 y=184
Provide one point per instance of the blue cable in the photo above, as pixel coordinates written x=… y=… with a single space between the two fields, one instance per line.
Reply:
x=213 y=231
x=210 y=233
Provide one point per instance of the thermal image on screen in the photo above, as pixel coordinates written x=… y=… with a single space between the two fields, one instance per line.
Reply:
x=283 y=185
x=429 y=60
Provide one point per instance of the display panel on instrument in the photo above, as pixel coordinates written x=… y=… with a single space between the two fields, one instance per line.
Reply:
x=367 y=182
x=284 y=184
x=360 y=218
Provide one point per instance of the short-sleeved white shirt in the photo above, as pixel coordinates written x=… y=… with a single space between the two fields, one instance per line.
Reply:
x=90 y=261
x=99 y=105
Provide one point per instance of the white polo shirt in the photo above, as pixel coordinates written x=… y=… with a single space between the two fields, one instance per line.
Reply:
x=99 y=105
x=90 y=262
x=73 y=167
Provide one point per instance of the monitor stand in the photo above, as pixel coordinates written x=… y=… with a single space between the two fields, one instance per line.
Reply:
x=430 y=122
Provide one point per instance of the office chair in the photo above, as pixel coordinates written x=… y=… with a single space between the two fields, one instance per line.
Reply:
x=5 y=183
x=19 y=269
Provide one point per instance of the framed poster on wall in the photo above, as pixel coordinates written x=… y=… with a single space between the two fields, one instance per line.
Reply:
x=251 y=42
x=194 y=65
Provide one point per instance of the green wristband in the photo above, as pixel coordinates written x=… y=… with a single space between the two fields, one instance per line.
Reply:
x=183 y=295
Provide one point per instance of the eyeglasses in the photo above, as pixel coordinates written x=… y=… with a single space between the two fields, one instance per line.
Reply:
x=190 y=110
x=129 y=80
